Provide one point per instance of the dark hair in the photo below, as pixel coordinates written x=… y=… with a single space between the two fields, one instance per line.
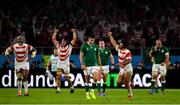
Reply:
x=91 y=36
x=124 y=42
x=65 y=38
x=101 y=39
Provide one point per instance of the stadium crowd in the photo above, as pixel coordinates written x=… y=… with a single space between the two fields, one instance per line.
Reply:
x=138 y=21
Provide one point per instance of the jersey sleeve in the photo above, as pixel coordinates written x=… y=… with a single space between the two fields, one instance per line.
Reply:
x=30 y=48
x=98 y=50
x=11 y=48
x=129 y=55
x=166 y=51
x=152 y=49
x=109 y=52
x=82 y=48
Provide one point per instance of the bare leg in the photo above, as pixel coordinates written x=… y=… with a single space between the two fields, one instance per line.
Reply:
x=127 y=77
x=25 y=81
x=58 y=80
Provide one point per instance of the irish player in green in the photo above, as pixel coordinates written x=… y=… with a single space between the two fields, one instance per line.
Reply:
x=160 y=57
x=105 y=55
x=90 y=62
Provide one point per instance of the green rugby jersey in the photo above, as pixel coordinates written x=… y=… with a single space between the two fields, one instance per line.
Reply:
x=90 y=54
x=104 y=54
x=159 y=56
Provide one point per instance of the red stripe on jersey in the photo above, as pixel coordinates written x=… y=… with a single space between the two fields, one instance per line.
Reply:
x=123 y=52
x=21 y=52
x=120 y=58
x=18 y=47
x=63 y=59
x=21 y=56
x=30 y=47
x=22 y=60
x=64 y=54
x=128 y=54
x=64 y=49
x=122 y=55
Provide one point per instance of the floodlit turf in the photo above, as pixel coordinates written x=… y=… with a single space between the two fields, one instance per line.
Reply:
x=113 y=96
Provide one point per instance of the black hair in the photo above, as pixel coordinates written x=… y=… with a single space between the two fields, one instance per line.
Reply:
x=101 y=39
x=91 y=36
x=124 y=42
x=65 y=38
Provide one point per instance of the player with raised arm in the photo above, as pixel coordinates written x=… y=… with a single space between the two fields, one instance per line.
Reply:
x=21 y=51
x=105 y=55
x=125 y=66
x=64 y=52
x=159 y=55
x=90 y=62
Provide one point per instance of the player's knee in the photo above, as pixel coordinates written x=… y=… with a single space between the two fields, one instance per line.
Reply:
x=19 y=79
x=162 y=78
x=25 y=79
x=95 y=79
x=127 y=84
x=60 y=75
x=67 y=77
x=104 y=80
x=154 y=75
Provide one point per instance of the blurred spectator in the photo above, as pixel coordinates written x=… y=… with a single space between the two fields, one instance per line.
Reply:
x=140 y=65
x=177 y=65
x=140 y=22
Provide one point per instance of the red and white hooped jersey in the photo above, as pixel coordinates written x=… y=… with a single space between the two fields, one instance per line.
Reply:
x=123 y=54
x=64 y=52
x=21 y=52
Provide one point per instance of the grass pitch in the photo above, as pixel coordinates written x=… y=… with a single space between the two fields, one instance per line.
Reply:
x=113 y=96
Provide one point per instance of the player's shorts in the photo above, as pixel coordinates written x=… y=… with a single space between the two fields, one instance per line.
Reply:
x=64 y=66
x=160 y=68
x=105 y=69
x=127 y=69
x=91 y=70
x=21 y=65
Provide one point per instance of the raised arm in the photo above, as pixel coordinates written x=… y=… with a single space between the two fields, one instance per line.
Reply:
x=73 y=41
x=113 y=42
x=55 y=42
x=7 y=53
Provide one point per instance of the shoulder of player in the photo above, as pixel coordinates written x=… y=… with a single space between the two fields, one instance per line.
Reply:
x=127 y=51
x=84 y=44
x=152 y=48
x=53 y=56
x=107 y=49
x=70 y=45
x=96 y=45
x=164 y=47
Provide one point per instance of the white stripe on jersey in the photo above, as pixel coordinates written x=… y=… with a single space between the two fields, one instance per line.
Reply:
x=21 y=52
x=64 y=52
x=123 y=54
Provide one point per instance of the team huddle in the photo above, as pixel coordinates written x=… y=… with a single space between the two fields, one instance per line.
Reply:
x=94 y=62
